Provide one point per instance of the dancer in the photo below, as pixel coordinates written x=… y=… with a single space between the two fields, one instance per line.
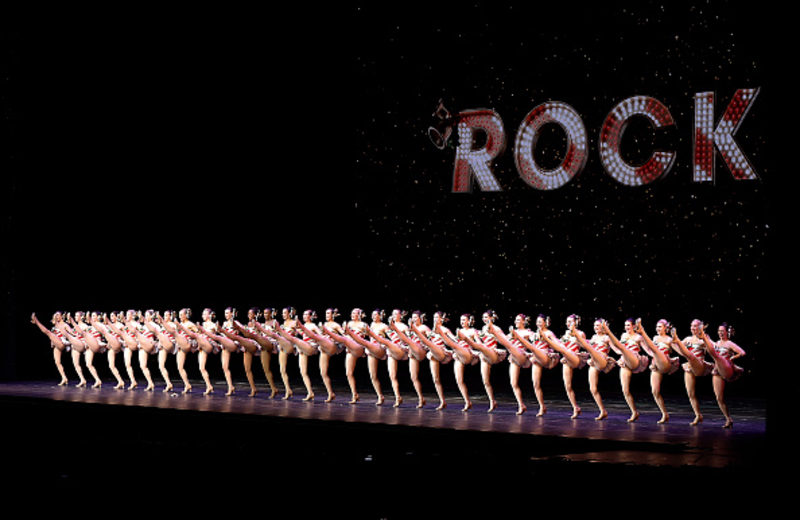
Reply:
x=186 y=340
x=148 y=344
x=207 y=347
x=464 y=355
x=114 y=346
x=599 y=350
x=416 y=351
x=351 y=336
x=693 y=349
x=122 y=328
x=306 y=347
x=393 y=351
x=723 y=352
x=327 y=348
x=486 y=344
x=543 y=357
x=164 y=331
x=572 y=357
x=631 y=362
x=396 y=349
x=211 y=340
x=195 y=339
x=268 y=346
x=357 y=344
x=248 y=344
x=437 y=353
x=518 y=356
x=662 y=364
x=59 y=343
x=374 y=355
x=248 y=347
x=82 y=343
x=285 y=347
x=380 y=348
x=355 y=327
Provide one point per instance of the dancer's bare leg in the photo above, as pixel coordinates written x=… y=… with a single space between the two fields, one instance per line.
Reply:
x=202 y=359
x=567 y=373
x=459 y=372
x=691 y=381
x=181 y=360
x=413 y=369
x=437 y=383
x=594 y=380
x=655 y=387
x=112 y=365
x=625 y=375
x=89 y=355
x=392 y=365
x=146 y=371
x=719 y=392
x=303 y=361
x=162 y=366
x=283 y=360
x=248 y=371
x=350 y=369
x=324 y=364
x=266 y=358
x=536 y=376
x=128 y=357
x=513 y=376
x=76 y=362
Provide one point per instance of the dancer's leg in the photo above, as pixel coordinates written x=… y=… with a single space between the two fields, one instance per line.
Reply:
x=413 y=369
x=625 y=375
x=162 y=366
x=691 y=382
x=567 y=373
x=486 y=374
x=76 y=362
x=266 y=358
x=655 y=387
x=372 y=363
x=89 y=354
x=391 y=363
x=324 y=363
x=303 y=361
x=719 y=392
x=225 y=357
x=594 y=379
x=202 y=359
x=283 y=360
x=350 y=369
x=146 y=371
x=128 y=356
x=437 y=383
x=181 y=360
x=513 y=375
x=57 y=353
x=459 y=372
x=536 y=376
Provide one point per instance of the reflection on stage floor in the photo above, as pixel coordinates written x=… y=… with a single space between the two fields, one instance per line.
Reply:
x=554 y=436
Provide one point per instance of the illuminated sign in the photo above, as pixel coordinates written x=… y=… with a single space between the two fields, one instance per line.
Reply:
x=475 y=163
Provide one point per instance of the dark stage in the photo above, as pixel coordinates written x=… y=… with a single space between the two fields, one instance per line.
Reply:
x=362 y=439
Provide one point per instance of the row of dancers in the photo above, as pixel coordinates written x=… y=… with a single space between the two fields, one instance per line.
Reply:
x=523 y=347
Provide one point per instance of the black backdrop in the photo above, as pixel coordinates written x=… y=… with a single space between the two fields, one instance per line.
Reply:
x=199 y=161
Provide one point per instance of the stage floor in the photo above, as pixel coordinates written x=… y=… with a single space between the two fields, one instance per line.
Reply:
x=555 y=436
